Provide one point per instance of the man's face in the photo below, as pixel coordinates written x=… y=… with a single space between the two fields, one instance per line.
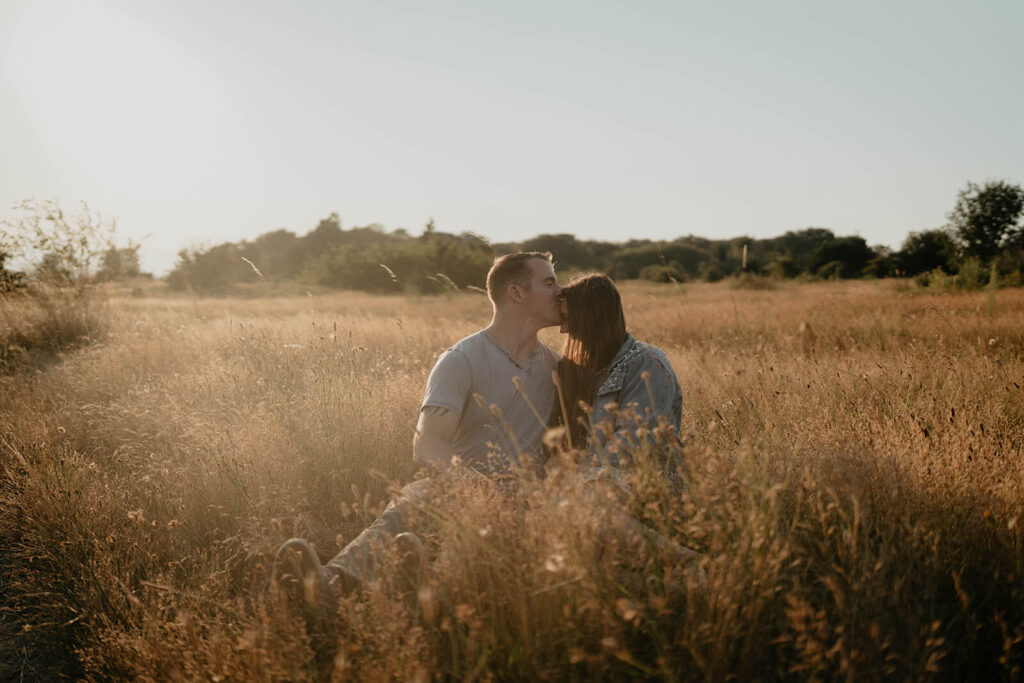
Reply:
x=543 y=298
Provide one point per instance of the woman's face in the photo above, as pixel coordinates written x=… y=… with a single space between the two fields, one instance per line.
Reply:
x=564 y=307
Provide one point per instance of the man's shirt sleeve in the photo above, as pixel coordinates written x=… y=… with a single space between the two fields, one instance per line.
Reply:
x=449 y=383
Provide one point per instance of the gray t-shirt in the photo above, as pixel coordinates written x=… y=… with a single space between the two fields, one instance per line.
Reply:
x=478 y=366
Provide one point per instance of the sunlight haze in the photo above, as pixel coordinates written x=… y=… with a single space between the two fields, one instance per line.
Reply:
x=197 y=123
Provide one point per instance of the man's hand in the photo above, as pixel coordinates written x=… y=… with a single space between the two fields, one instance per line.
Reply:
x=435 y=430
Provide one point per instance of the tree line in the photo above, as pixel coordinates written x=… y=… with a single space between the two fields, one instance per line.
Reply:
x=984 y=239
x=984 y=233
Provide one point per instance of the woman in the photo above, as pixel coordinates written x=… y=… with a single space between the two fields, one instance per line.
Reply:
x=620 y=397
x=628 y=388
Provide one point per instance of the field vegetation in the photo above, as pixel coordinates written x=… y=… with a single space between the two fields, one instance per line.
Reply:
x=855 y=486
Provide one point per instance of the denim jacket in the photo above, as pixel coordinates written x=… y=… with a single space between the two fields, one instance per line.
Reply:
x=622 y=385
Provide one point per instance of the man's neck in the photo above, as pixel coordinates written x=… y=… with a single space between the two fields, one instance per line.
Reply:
x=515 y=336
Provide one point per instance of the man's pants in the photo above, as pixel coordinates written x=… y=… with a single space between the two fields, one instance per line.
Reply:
x=361 y=557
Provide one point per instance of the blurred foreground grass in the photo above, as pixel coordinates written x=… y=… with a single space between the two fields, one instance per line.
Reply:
x=856 y=483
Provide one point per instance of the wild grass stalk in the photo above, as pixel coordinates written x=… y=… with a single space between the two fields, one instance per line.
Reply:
x=856 y=496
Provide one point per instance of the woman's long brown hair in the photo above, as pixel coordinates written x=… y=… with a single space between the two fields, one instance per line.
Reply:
x=597 y=329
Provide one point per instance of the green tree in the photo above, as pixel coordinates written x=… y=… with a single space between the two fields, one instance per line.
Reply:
x=568 y=251
x=852 y=254
x=120 y=262
x=324 y=237
x=985 y=218
x=278 y=254
x=882 y=264
x=926 y=250
x=215 y=269
x=801 y=245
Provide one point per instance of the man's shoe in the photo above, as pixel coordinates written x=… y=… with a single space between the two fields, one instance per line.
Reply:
x=300 y=584
x=301 y=587
x=410 y=560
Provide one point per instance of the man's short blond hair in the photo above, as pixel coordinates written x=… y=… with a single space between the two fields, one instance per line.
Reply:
x=512 y=269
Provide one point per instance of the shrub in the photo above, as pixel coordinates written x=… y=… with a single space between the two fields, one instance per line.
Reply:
x=833 y=270
x=747 y=280
x=1013 y=279
x=711 y=271
x=56 y=243
x=662 y=273
x=971 y=274
x=55 y=306
x=46 y=318
x=936 y=280
x=782 y=267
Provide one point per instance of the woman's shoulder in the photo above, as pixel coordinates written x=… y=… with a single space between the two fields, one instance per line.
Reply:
x=648 y=357
x=639 y=358
x=642 y=352
x=628 y=361
x=653 y=351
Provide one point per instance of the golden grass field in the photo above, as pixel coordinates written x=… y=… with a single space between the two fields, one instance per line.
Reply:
x=856 y=487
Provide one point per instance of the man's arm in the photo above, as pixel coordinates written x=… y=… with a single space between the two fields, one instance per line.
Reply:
x=435 y=431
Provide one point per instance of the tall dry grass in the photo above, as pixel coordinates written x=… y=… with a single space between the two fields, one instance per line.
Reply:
x=855 y=487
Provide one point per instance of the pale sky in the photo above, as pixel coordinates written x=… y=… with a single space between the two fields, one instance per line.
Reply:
x=201 y=122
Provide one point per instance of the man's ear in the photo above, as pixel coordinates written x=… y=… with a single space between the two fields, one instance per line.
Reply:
x=515 y=293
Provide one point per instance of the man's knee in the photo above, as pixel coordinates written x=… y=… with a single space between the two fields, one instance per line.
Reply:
x=418 y=490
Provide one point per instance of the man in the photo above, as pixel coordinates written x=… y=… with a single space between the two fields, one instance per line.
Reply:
x=485 y=408
x=524 y=293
